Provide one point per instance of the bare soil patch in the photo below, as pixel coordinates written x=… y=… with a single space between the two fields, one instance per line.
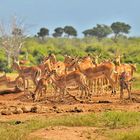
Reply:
x=53 y=105
x=69 y=133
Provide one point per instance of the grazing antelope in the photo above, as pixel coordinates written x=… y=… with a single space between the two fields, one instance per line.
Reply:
x=33 y=73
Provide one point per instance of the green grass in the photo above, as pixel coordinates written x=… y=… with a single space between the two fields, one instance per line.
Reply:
x=120 y=119
x=108 y=120
x=133 y=134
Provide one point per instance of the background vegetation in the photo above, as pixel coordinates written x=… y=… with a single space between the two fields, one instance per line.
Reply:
x=130 y=48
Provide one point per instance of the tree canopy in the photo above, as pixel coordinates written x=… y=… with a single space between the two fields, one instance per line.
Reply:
x=43 y=32
x=88 y=32
x=70 y=31
x=100 y=31
x=120 y=28
x=58 y=32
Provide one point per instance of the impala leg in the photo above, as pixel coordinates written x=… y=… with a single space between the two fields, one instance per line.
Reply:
x=91 y=85
x=45 y=90
x=103 y=85
x=36 y=92
x=98 y=86
x=95 y=86
x=121 y=93
x=27 y=84
x=129 y=92
x=24 y=82
x=87 y=91
x=82 y=92
x=112 y=85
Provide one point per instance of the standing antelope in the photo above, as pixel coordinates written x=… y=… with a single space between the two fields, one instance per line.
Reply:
x=41 y=86
x=33 y=73
x=65 y=82
x=105 y=69
x=125 y=81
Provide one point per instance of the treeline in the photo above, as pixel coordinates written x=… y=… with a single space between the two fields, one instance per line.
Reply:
x=34 y=50
x=100 y=31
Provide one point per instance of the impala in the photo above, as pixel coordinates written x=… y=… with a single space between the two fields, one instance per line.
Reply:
x=33 y=73
x=66 y=82
x=42 y=86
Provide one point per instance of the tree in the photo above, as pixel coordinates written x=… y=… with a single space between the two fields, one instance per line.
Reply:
x=43 y=32
x=101 y=31
x=120 y=28
x=70 y=31
x=12 y=39
x=88 y=32
x=58 y=32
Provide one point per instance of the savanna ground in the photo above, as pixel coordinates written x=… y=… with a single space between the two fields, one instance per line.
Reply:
x=104 y=118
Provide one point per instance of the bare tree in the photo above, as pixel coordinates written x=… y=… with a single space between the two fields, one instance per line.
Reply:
x=12 y=39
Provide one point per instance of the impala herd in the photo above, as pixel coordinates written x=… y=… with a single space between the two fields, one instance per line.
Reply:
x=84 y=74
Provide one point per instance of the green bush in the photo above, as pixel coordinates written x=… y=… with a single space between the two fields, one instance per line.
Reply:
x=78 y=47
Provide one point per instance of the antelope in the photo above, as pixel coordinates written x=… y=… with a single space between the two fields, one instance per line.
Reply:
x=33 y=73
x=129 y=69
x=50 y=57
x=49 y=64
x=120 y=68
x=64 y=82
x=45 y=66
x=105 y=69
x=125 y=80
x=41 y=86
x=84 y=63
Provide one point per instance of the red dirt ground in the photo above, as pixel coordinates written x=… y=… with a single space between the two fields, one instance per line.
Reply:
x=54 y=107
